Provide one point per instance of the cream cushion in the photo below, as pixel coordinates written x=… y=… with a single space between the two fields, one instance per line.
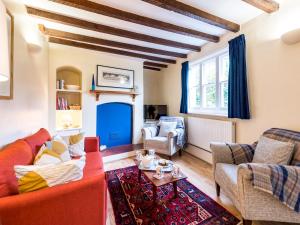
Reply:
x=75 y=144
x=273 y=152
x=166 y=128
x=46 y=156
x=59 y=146
x=35 y=177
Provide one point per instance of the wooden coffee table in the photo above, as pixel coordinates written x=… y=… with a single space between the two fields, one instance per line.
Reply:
x=167 y=179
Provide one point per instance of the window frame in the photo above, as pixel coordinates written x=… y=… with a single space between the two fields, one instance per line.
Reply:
x=218 y=110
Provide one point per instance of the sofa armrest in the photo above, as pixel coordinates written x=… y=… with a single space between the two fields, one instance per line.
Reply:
x=91 y=144
x=220 y=153
x=149 y=132
x=76 y=203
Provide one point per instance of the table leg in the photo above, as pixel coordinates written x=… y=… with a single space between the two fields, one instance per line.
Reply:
x=175 y=189
x=140 y=176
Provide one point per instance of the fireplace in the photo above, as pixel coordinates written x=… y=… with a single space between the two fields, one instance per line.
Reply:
x=114 y=123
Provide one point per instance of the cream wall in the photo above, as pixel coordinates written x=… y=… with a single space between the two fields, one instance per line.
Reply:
x=86 y=61
x=28 y=111
x=273 y=73
x=152 y=87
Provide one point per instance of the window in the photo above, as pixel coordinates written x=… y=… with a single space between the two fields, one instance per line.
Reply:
x=208 y=85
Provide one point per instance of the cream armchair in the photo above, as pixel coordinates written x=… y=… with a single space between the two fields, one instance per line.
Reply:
x=169 y=145
x=235 y=182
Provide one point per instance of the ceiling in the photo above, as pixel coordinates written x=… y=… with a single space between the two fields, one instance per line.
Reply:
x=236 y=11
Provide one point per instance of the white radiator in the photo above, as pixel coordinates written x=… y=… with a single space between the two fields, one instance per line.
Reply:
x=203 y=131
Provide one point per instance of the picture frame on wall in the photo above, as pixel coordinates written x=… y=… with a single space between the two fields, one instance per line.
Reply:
x=6 y=87
x=114 y=77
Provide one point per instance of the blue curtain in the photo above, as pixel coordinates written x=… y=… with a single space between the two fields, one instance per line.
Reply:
x=184 y=87
x=238 y=103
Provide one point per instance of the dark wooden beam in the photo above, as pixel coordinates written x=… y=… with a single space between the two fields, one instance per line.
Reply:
x=268 y=6
x=195 y=13
x=151 y=68
x=99 y=41
x=71 y=21
x=153 y=64
x=109 y=50
x=138 y=19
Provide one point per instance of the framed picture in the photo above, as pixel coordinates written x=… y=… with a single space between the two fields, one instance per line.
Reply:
x=6 y=88
x=114 y=77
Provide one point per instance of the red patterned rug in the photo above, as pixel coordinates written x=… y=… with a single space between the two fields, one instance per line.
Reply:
x=132 y=202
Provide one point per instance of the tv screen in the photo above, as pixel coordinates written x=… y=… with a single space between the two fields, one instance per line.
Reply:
x=154 y=112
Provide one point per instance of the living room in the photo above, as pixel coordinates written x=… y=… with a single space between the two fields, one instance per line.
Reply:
x=149 y=112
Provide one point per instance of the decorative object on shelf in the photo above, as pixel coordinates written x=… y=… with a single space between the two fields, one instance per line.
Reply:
x=72 y=87
x=61 y=104
x=6 y=52
x=93 y=83
x=114 y=77
x=67 y=121
x=75 y=107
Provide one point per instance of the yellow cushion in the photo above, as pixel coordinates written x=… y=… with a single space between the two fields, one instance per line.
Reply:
x=75 y=139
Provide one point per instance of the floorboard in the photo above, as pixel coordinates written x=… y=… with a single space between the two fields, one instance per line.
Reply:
x=199 y=173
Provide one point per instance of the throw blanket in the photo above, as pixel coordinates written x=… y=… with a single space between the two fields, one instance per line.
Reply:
x=180 y=129
x=282 y=181
x=241 y=153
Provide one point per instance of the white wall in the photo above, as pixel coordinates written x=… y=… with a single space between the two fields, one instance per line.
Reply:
x=152 y=87
x=273 y=73
x=28 y=111
x=86 y=61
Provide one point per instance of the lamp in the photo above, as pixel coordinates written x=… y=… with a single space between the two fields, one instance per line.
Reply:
x=291 y=37
x=4 y=55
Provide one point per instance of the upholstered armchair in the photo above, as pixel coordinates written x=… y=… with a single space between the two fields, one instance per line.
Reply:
x=168 y=146
x=234 y=179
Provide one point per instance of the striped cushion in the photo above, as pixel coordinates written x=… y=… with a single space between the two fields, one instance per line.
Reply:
x=60 y=147
x=34 y=177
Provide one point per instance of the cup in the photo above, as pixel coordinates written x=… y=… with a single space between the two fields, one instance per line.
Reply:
x=151 y=152
x=138 y=155
x=176 y=171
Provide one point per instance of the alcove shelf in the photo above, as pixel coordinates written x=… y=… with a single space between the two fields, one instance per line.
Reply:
x=97 y=93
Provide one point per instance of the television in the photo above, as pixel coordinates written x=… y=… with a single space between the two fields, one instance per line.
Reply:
x=154 y=112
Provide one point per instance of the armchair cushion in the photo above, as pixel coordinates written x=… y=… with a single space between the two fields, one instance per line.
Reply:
x=158 y=142
x=272 y=151
x=166 y=127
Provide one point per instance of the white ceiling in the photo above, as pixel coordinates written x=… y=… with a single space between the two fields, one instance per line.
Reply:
x=234 y=10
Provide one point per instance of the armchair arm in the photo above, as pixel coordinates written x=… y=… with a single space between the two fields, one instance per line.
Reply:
x=149 y=132
x=220 y=154
x=91 y=144
x=172 y=134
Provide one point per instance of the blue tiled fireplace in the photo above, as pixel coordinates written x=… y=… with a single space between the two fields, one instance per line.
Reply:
x=114 y=123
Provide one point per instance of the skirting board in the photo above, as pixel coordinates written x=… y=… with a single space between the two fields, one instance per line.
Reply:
x=124 y=155
x=199 y=153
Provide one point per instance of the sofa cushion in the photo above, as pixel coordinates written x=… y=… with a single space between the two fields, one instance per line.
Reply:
x=36 y=140
x=273 y=151
x=17 y=153
x=226 y=177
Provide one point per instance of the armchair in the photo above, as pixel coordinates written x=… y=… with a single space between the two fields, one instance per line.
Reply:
x=169 y=145
x=235 y=180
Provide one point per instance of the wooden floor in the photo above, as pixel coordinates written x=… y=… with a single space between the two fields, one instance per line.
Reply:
x=199 y=173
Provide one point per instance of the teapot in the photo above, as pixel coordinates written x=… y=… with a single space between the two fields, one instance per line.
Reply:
x=147 y=161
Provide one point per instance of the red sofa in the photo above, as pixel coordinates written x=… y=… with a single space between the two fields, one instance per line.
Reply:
x=77 y=203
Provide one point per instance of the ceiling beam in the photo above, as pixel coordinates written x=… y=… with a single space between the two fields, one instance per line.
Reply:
x=151 y=68
x=268 y=6
x=109 y=50
x=138 y=19
x=71 y=21
x=195 y=13
x=99 y=41
x=153 y=64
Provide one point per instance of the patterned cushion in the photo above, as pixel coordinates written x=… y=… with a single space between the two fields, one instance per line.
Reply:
x=46 y=156
x=273 y=152
x=34 y=177
x=59 y=146
x=76 y=145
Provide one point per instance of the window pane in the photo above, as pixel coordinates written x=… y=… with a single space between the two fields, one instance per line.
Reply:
x=194 y=76
x=209 y=71
x=224 y=67
x=209 y=96
x=194 y=97
x=224 y=94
